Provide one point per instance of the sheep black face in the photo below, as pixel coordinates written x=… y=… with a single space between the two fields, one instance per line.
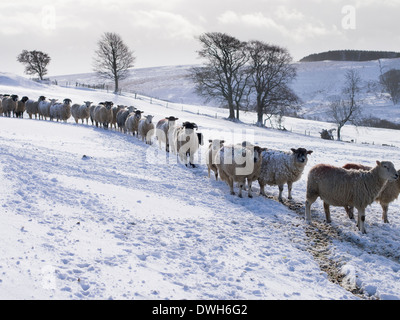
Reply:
x=14 y=97
x=171 y=118
x=301 y=154
x=66 y=101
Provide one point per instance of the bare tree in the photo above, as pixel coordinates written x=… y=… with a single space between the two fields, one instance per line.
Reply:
x=113 y=58
x=35 y=62
x=347 y=109
x=271 y=72
x=224 y=77
x=391 y=83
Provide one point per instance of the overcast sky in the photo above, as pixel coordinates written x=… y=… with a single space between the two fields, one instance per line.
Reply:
x=163 y=32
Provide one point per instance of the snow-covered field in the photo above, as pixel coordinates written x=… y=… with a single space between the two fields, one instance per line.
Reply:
x=87 y=213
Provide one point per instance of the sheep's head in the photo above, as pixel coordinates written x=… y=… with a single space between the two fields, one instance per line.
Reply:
x=24 y=99
x=14 y=97
x=67 y=101
x=387 y=170
x=149 y=118
x=108 y=104
x=301 y=154
x=87 y=103
x=138 y=114
x=171 y=118
x=42 y=98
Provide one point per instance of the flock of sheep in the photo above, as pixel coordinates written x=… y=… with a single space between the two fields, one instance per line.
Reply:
x=350 y=186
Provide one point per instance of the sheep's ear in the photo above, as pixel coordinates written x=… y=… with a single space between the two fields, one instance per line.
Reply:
x=222 y=141
x=378 y=162
x=293 y=150
x=309 y=151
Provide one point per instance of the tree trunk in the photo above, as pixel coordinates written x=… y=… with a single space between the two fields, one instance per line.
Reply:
x=116 y=85
x=338 y=132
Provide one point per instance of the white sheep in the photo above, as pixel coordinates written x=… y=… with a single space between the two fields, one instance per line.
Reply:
x=164 y=130
x=132 y=122
x=187 y=142
x=61 y=111
x=9 y=104
x=238 y=163
x=122 y=115
x=82 y=112
x=32 y=106
x=279 y=168
x=212 y=150
x=103 y=114
x=388 y=194
x=44 y=108
x=340 y=187
x=146 y=128
x=20 y=109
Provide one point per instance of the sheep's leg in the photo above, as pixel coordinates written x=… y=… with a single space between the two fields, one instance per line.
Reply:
x=350 y=211
x=361 y=220
x=308 y=211
x=262 y=190
x=230 y=183
x=249 y=182
x=289 y=185
x=385 y=208
x=327 y=212
x=280 y=192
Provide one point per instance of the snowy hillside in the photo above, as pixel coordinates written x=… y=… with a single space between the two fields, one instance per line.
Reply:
x=316 y=84
x=88 y=213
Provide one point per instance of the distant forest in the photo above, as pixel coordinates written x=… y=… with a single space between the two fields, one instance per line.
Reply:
x=351 y=55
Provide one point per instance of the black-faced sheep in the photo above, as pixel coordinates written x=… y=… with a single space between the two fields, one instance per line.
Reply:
x=340 y=187
x=103 y=114
x=81 y=112
x=9 y=104
x=32 y=106
x=212 y=150
x=20 y=109
x=44 y=108
x=388 y=194
x=61 y=111
x=146 y=128
x=132 y=122
x=187 y=142
x=280 y=167
x=238 y=163
x=164 y=130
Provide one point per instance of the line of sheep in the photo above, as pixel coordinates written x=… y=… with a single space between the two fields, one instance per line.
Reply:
x=351 y=186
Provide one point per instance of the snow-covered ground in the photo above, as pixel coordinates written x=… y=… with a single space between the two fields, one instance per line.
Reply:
x=87 y=213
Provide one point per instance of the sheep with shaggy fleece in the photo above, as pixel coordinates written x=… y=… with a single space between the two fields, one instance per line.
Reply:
x=20 y=109
x=279 y=168
x=146 y=128
x=340 y=187
x=165 y=130
x=122 y=115
x=61 y=111
x=187 y=142
x=103 y=114
x=81 y=111
x=44 y=108
x=115 y=110
x=32 y=106
x=9 y=104
x=212 y=150
x=238 y=163
x=132 y=122
x=388 y=194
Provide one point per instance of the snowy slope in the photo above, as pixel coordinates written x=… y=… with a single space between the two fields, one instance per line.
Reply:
x=93 y=214
x=317 y=83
